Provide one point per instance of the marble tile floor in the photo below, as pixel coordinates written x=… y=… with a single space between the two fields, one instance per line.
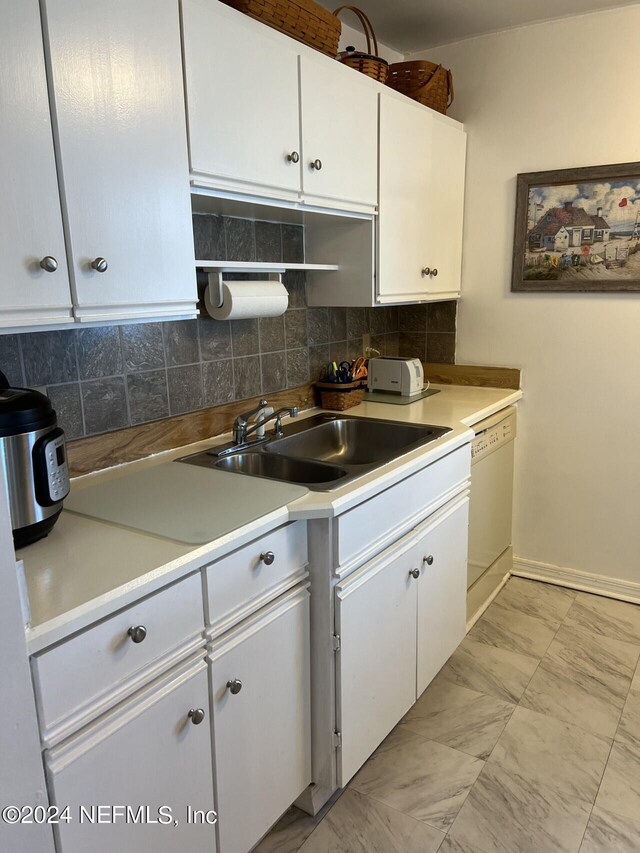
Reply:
x=527 y=741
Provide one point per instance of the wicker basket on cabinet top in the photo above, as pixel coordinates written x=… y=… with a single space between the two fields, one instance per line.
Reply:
x=366 y=63
x=303 y=20
x=424 y=81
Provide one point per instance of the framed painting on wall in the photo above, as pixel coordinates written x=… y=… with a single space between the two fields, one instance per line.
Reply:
x=578 y=230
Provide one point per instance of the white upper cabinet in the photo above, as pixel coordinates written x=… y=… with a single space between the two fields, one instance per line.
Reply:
x=268 y=116
x=339 y=133
x=242 y=101
x=34 y=282
x=421 y=203
x=118 y=106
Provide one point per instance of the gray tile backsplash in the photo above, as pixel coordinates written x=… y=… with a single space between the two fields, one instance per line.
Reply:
x=103 y=379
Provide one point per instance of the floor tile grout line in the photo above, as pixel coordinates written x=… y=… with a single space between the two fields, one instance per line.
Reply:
x=404 y=814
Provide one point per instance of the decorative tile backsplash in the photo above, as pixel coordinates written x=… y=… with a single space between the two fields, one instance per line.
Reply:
x=107 y=378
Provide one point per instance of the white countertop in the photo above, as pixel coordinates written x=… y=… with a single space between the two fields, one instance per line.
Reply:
x=86 y=569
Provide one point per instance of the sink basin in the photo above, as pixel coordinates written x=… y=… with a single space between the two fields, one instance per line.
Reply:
x=352 y=441
x=322 y=452
x=300 y=471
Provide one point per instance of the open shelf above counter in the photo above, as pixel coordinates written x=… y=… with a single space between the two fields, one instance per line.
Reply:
x=261 y=266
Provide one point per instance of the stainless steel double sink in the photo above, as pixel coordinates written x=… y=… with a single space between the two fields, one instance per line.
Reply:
x=322 y=452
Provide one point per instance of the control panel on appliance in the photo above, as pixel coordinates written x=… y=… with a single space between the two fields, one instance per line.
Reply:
x=52 y=470
x=491 y=438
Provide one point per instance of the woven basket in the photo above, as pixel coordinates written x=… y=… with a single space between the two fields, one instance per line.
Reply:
x=340 y=396
x=424 y=81
x=366 y=63
x=303 y=20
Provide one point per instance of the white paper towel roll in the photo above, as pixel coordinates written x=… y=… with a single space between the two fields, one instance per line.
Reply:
x=242 y=299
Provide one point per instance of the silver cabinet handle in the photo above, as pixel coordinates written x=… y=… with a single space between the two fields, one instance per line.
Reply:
x=137 y=633
x=99 y=265
x=316 y=164
x=434 y=272
x=294 y=157
x=426 y=271
x=49 y=263
x=415 y=573
x=235 y=686
x=197 y=715
x=267 y=557
x=428 y=560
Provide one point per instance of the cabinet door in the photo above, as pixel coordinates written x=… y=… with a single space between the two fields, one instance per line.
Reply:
x=116 y=73
x=262 y=733
x=421 y=203
x=339 y=132
x=30 y=216
x=242 y=99
x=145 y=756
x=442 y=589
x=376 y=664
x=445 y=213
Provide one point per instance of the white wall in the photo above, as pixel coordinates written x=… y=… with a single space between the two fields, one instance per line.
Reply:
x=354 y=35
x=553 y=96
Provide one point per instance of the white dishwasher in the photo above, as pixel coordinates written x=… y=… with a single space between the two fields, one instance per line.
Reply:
x=491 y=500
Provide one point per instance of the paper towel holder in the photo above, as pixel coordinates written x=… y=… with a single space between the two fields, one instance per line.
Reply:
x=216 y=281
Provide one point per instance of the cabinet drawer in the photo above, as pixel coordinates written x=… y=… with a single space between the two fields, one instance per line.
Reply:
x=78 y=679
x=240 y=583
x=367 y=528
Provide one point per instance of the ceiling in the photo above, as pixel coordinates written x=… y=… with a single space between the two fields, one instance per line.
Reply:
x=410 y=25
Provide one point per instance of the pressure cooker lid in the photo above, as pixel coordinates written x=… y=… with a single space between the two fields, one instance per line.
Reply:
x=24 y=410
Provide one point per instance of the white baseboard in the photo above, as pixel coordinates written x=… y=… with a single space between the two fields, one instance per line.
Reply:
x=575 y=579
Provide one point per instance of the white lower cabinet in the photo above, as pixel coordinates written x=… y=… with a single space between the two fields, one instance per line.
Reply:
x=261 y=718
x=442 y=590
x=376 y=664
x=149 y=753
x=398 y=620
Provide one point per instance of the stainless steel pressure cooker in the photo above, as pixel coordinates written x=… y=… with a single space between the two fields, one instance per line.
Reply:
x=33 y=455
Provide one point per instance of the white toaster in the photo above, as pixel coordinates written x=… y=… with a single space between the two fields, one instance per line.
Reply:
x=401 y=375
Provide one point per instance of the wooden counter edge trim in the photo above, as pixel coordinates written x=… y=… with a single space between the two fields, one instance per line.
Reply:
x=472 y=374
x=127 y=445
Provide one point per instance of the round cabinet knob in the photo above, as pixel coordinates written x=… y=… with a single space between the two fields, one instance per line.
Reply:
x=267 y=557
x=49 y=263
x=428 y=560
x=316 y=164
x=235 y=686
x=137 y=633
x=99 y=265
x=294 y=157
x=426 y=271
x=197 y=715
x=434 y=272
x=415 y=573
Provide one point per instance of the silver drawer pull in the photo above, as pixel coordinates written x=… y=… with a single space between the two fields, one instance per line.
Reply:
x=316 y=164
x=428 y=560
x=294 y=157
x=414 y=573
x=99 y=265
x=426 y=271
x=49 y=264
x=197 y=715
x=434 y=272
x=267 y=557
x=137 y=633
x=235 y=686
